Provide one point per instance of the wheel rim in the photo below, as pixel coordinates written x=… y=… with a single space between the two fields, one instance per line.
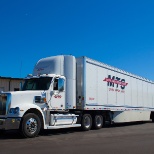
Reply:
x=98 y=121
x=31 y=125
x=87 y=122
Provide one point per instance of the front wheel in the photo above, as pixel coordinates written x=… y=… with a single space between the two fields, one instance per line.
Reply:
x=86 y=123
x=31 y=125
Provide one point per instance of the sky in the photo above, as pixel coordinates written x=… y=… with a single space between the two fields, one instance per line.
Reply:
x=119 y=33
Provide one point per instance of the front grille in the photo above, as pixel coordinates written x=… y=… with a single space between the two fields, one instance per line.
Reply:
x=3 y=100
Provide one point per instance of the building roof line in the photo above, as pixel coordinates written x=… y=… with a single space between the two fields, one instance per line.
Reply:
x=2 y=77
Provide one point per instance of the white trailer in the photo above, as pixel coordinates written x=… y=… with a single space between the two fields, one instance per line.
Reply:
x=65 y=91
x=127 y=97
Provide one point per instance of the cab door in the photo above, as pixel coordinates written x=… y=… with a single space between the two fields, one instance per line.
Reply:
x=58 y=95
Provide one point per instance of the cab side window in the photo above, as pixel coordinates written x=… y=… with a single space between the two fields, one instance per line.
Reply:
x=59 y=84
x=55 y=84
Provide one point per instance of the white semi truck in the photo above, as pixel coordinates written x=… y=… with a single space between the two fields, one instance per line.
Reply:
x=64 y=91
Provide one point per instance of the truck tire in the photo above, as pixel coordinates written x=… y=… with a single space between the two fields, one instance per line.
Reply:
x=98 y=121
x=86 y=122
x=31 y=125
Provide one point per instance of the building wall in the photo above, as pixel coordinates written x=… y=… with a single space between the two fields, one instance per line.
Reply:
x=10 y=84
x=4 y=84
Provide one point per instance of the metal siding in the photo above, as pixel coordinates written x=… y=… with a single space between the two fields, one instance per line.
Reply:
x=70 y=74
x=134 y=92
x=137 y=93
x=84 y=82
x=140 y=92
x=79 y=77
x=145 y=88
x=4 y=83
x=129 y=116
x=149 y=95
x=112 y=97
x=128 y=92
x=119 y=92
x=91 y=84
x=152 y=92
x=80 y=82
x=151 y=99
x=102 y=90
x=14 y=83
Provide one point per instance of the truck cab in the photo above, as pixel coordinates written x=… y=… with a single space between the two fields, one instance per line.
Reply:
x=45 y=99
x=52 y=89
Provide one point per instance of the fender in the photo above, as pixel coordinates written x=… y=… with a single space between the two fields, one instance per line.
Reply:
x=24 y=108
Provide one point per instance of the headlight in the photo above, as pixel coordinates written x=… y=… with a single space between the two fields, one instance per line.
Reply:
x=39 y=99
x=14 y=110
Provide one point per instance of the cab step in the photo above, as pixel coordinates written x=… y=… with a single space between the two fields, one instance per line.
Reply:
x=63 y=126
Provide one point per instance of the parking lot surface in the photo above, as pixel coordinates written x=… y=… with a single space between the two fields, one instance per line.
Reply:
x=131 y=138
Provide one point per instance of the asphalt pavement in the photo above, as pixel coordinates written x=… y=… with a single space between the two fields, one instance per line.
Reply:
x=131 y=138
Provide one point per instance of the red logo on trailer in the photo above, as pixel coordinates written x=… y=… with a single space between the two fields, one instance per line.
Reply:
x=111 y=81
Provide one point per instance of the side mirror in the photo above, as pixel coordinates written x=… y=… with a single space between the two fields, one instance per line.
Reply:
x=61 y=89
x=54 y=93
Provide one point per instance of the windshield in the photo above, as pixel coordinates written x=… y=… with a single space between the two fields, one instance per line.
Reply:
x=42 y=83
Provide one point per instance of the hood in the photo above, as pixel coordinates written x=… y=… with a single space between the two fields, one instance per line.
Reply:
x=22 y=97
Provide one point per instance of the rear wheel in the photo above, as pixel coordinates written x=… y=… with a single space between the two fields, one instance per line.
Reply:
x=98 y=121
x=31 y=125
x=86 y=122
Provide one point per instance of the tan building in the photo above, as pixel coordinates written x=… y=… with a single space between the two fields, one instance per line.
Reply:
x=10 y=84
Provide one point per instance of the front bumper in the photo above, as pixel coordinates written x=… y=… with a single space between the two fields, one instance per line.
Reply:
x=9 y=123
